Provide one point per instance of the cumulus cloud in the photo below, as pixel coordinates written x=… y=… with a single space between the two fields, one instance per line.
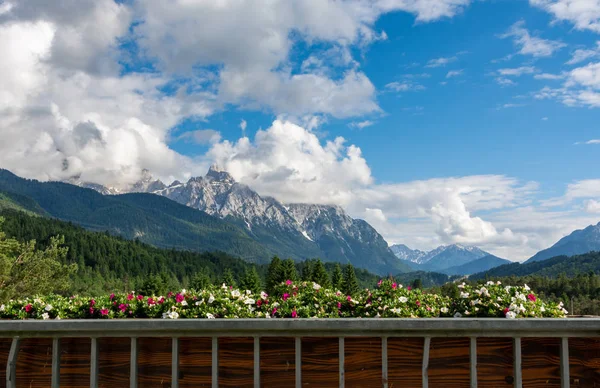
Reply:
x=362 y=124
x=441 y=62
x=582 y=189
x=454 y=73
x=531 y=45
x=592 y=206
x=581 y=55
x=583 y=14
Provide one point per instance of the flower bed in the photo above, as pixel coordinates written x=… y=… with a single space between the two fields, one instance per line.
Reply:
x=293 y=300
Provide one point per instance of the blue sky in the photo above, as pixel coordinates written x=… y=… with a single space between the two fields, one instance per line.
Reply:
x=438 y=121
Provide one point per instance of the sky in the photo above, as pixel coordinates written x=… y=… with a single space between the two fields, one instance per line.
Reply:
x=437 y=121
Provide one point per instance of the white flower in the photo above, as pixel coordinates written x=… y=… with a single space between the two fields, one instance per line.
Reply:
x=211 y=299
x=542 y=309
x=48 y=307
x=489 y=283
x=499 y=299
x=522 y=297
x=170 y=315
x=263 y=295
x=464 y=295
x=267 y=316
x=224 y=286
x=457 y=315
x=316 y=286
x=37 y=300
x=2 y=308
x=184 y=303
x=57 y=318
x=403 y=299
x=183 y=291
x=235 y=293
x=249 y=301
x=248 y=292
x=498 y=283
x=198 y=303
x=45 y=315
x=444 y=310
x=377 y=316
x=526 y=287
x=210 y=316
x=511 y=315
x=461 y=285
x=467 y=312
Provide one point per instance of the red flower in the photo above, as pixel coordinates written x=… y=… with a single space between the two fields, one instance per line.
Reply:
x=123 y=307
x=92 y=302
x=104 y=312
x=288 y=282
x=274 y=310
x=259 y=303
x=348 y=298
x=28 y=308
x=394 y=285
x=418 y=303
x=339 y=305
x=130 y=297
x=379 y=282
x=531 y=297
x=140 y=297
x=409 y=288
x=161 y=300
x=112 y=296
x=179 y=298
x=151 y=302
x=170 y=294
x=506 y=310
x=91 y=311
x=294 y=314
x=286 y=296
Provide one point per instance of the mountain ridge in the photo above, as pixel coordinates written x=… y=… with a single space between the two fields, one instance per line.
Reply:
x=577 y=242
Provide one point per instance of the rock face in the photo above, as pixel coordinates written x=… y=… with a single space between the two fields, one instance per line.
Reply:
x=299 y=231
x=579 y=242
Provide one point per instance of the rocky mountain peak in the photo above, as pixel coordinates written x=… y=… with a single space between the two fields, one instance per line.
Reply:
x=217 y=173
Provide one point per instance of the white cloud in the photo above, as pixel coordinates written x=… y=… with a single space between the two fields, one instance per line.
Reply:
x=584 y=14
x=510 y=105
x=503 y=81
x=454 y=73
x=582 y=189
x=362 y=124
x=593 y=141
x=531 y=45
x=588 y=76
x=581 y=55
x=201 y=136
x=517 y=72
x=548 y=76
x=404 y=86
x=243 y=125
x=592 y=206
x=440 y=62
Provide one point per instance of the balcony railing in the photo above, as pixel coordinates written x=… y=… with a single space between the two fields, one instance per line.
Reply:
x=307 y=352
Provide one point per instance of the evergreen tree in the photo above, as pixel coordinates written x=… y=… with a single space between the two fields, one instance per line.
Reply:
x=200 y=280
x=288 y=270
x=417 y=283
x=251 y=280
x=350 y=285
x=337 y=278
x=228 y=278
x=153 y=285
x=274 y=274
x=307 y=270
x=319 y=275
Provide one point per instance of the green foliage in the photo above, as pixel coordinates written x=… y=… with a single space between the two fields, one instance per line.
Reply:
x=320 y=275
x=251 y=281
x=306 y=270
x=228 y=278
x=200 y=280
x=288 y=270
x=417 y=283
x=337 y=277
x=274 y=274
x=350 y=284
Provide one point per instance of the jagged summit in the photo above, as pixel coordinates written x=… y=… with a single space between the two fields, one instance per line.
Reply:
x=219 y=174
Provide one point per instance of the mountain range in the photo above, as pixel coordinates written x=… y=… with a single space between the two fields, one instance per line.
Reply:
x=579 y=242
x=211 y=213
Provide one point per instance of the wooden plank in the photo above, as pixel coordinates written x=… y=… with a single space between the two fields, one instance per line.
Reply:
x=195 y=359
x=494 y=362
x=320 y=362
x=405 y=362
x=473 y=362
x=564 y=363
x=363 y=362
x=34 y=363
x=256 y=362
x=154 y=362
x=518 y=359
x=236 y=362
x=449 y=362
x=277 y=362
x=584 y=362
x=384 y=362
x=5 y=345
x=541 y=362
x=342 y=380
x=75 y=359
x=11 y=364
x=298 y=363
x=113 y=362
x=426 y=357
x=94 y=363
x=215 y=362
x=55 y=363
x=174 y=362
x=133 y=363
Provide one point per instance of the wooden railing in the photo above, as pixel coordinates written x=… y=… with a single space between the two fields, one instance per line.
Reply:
x=307 y=352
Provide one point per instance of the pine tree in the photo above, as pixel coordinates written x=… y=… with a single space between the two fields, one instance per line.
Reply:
x=319 y=275
x=350 y=285
x=274 y=273
x=228 y=278
x=200 y=280
x=251 y=280
x=337 y=278
x=288 y=270
x=417 y=283
x=306 y=270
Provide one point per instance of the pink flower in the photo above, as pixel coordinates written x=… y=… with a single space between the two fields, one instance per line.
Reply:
x=288 y=282
x=104 y=312
x=294 y=314
x=339 y=305
x=531 y=297
x=259 y=303
x=428 y=308
x=418 y=303
x=91 y=311
x=348 y=298
x=112 y=296
x=140 y=297
x=130 y=297
x=170 y=294
x=379 y=282
x=179 y=298
x=28 y=308
x=274 y=310
x=409 y=288
x=151 y=302
x=161 y=300
x=92 y=302
x=506 y=310
x=394 y=285
x=286 y=296
x=123 y=307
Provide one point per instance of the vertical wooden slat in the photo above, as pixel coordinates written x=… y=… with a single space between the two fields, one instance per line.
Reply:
x=298 y=362
x=473 y=357
x=11 y=365
x=215 y=362
x=94 y=363
x=425 y=368
x=564 y=363
x=133 y=363
x=384 y=362
x=341 y=357
x=175 y=362
x=517 y=366
x=256 y=362
x=55 y=363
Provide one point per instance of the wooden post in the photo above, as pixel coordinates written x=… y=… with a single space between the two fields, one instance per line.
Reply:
x=94 y=363
x=133 y=361
x=11 y=365
x=55 y=363
x=425 y=367
x=298 y=362
x=384 y=361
